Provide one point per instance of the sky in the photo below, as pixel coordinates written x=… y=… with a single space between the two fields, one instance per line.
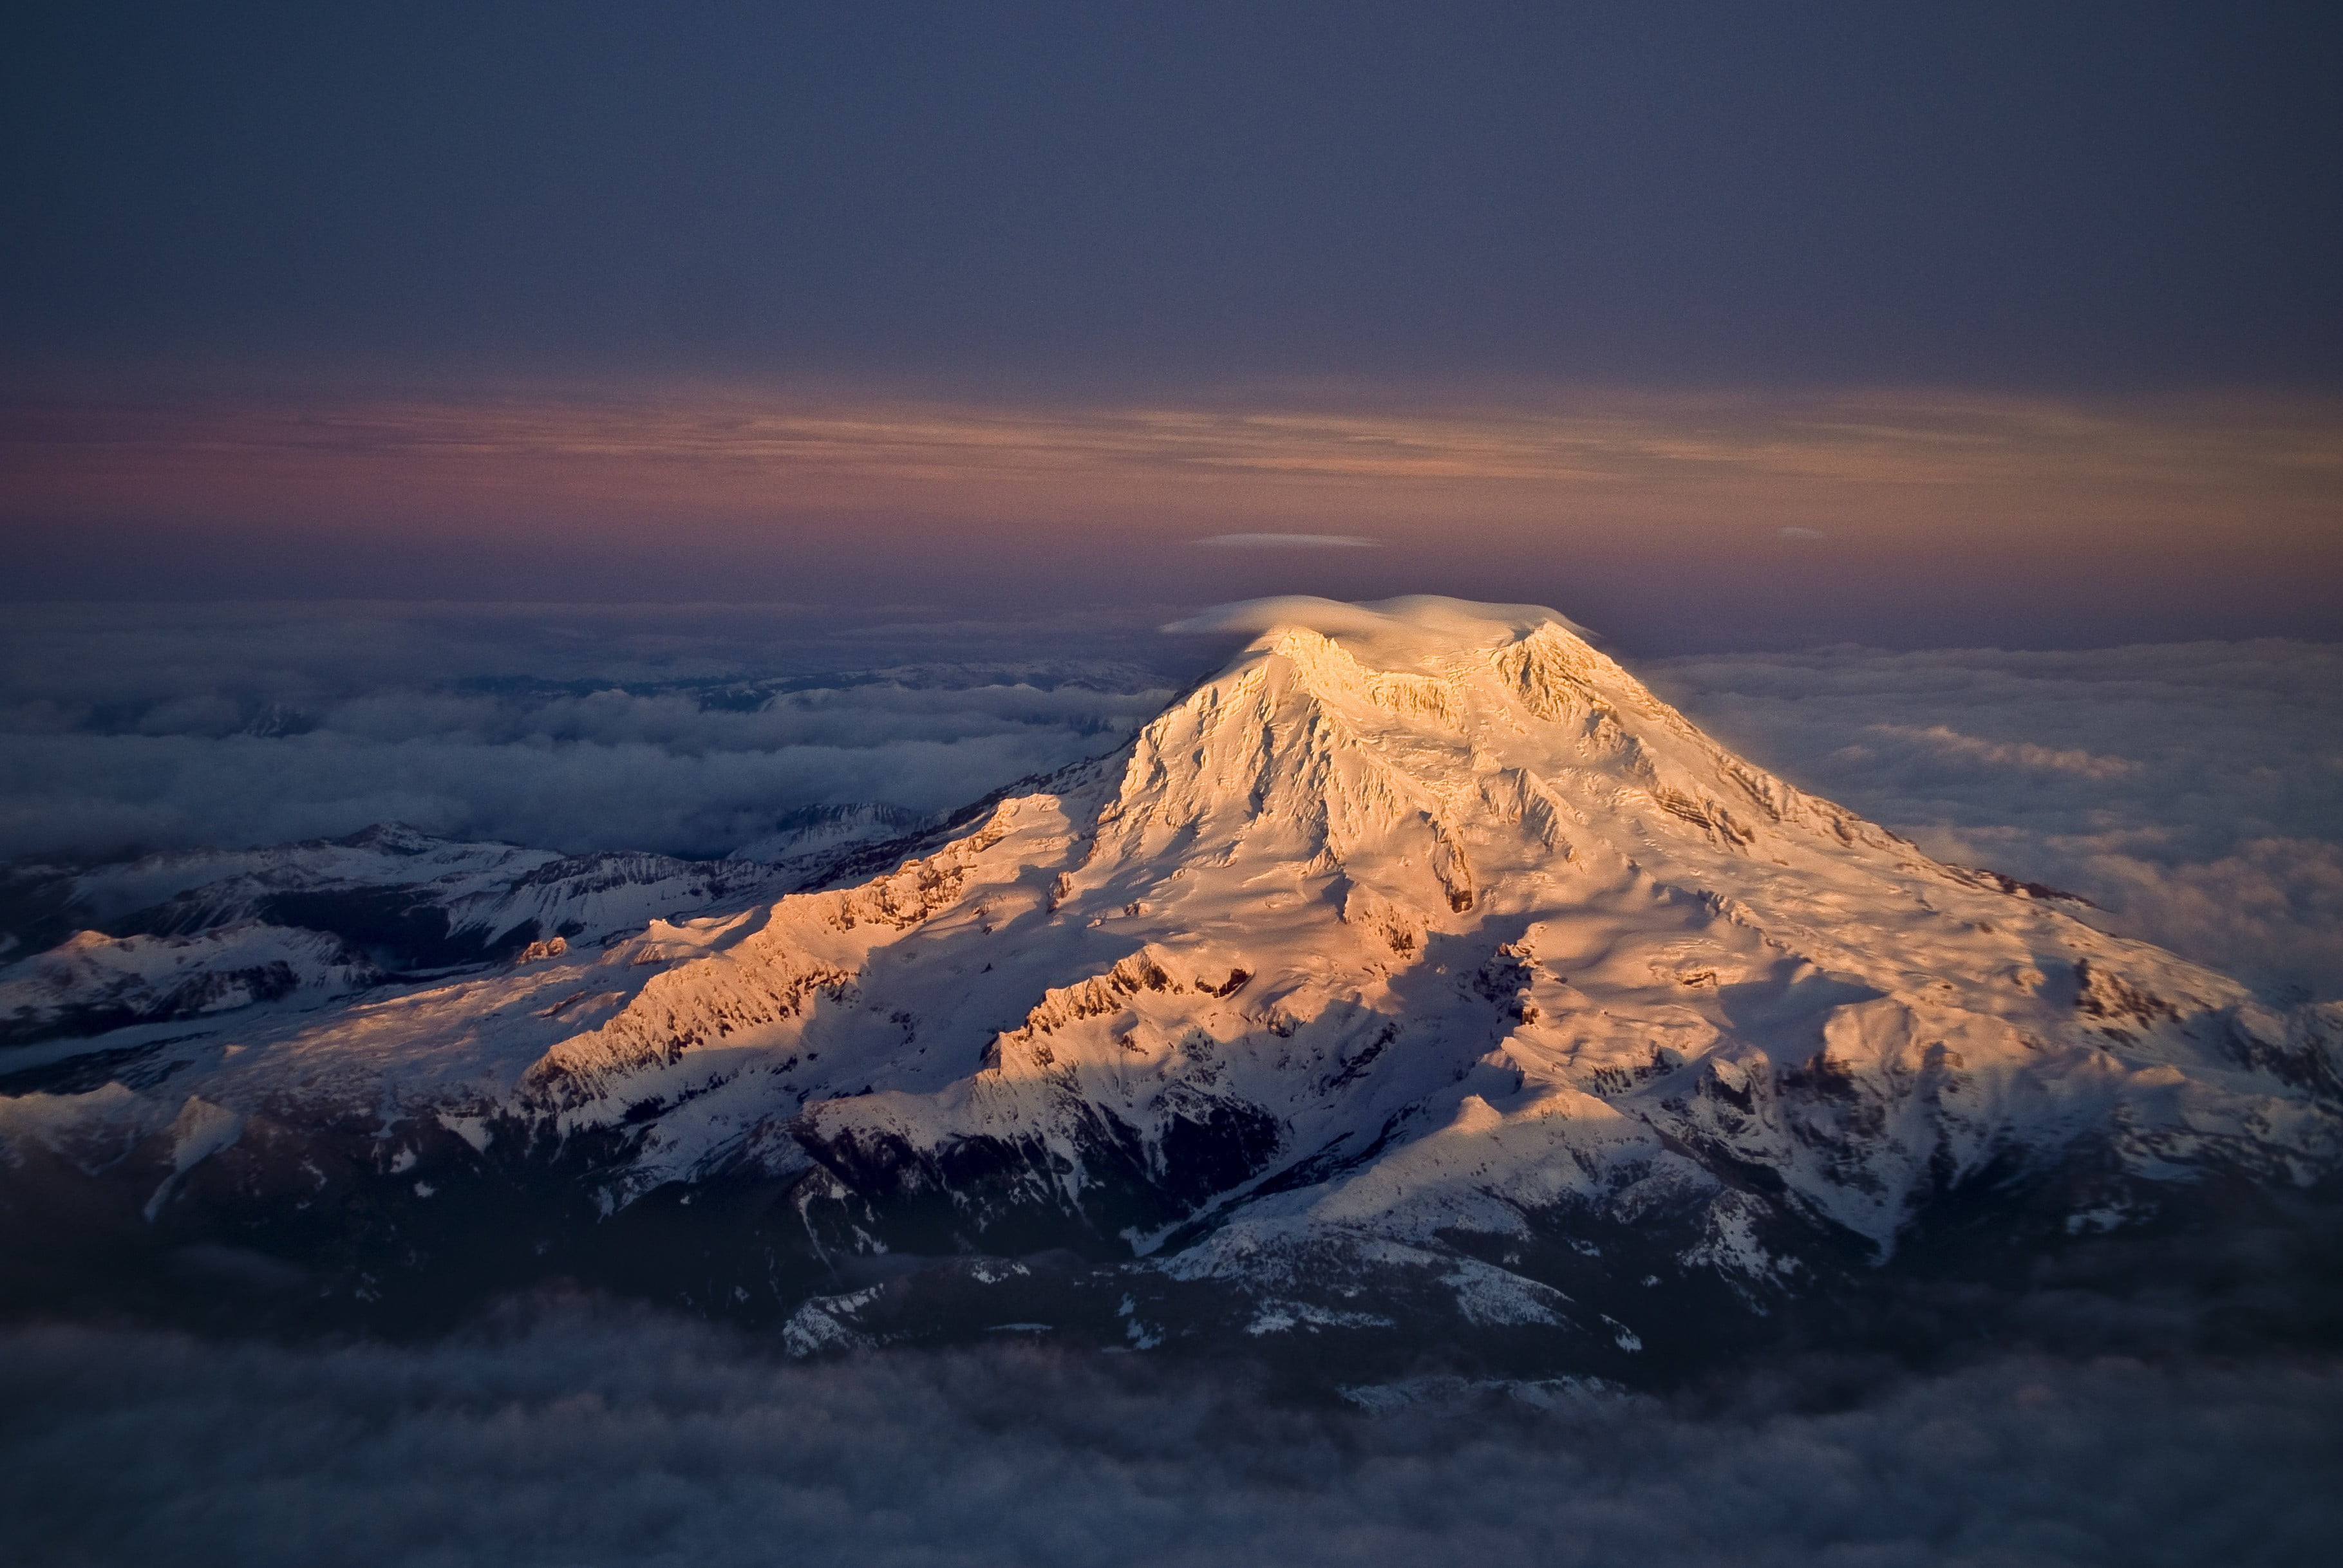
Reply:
x=1716 y=327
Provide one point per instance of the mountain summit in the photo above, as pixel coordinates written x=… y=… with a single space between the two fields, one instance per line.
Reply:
x=1418 y=980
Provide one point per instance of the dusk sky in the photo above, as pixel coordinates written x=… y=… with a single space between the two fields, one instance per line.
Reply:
x=1715 y=326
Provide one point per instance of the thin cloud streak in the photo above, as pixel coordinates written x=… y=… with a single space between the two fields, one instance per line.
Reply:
x=1290 y=542
x=1951 y=743
x=1866 y=462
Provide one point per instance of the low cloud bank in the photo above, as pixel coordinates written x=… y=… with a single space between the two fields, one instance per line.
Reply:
x=687 y=730
x=600 y=1436
x=2194 y=789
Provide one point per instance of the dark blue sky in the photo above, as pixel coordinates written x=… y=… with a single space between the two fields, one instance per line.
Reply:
x=2079 y=196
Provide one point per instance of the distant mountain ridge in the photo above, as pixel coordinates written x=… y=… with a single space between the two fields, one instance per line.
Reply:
x=343 y=914
x=1420 y=981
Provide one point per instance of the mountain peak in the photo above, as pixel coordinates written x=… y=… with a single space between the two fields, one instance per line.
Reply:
x=1420 y=738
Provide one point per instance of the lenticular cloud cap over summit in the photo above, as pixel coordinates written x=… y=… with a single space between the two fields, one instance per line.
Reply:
x=1450 y=620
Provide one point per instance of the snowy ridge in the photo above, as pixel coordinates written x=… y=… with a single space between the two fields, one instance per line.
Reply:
x=92 y=982
x=351 y=913
x=473 y=900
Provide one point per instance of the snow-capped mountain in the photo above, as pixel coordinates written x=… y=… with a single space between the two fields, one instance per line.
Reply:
x=1420 y=978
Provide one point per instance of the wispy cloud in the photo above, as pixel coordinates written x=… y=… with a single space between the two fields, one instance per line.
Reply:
x=1290 y=542
x=1849 y=459
x=1946 y=741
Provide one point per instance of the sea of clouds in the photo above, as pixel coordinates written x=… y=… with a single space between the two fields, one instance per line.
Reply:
x=591 y=1435
x=685 y=729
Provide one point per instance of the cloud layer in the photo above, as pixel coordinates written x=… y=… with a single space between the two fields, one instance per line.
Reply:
x=687 y=730
x=1290 y=542
x=2002 y=464
x=590 y=1437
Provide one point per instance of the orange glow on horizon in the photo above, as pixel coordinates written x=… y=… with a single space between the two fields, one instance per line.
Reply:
x=1872 y=467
